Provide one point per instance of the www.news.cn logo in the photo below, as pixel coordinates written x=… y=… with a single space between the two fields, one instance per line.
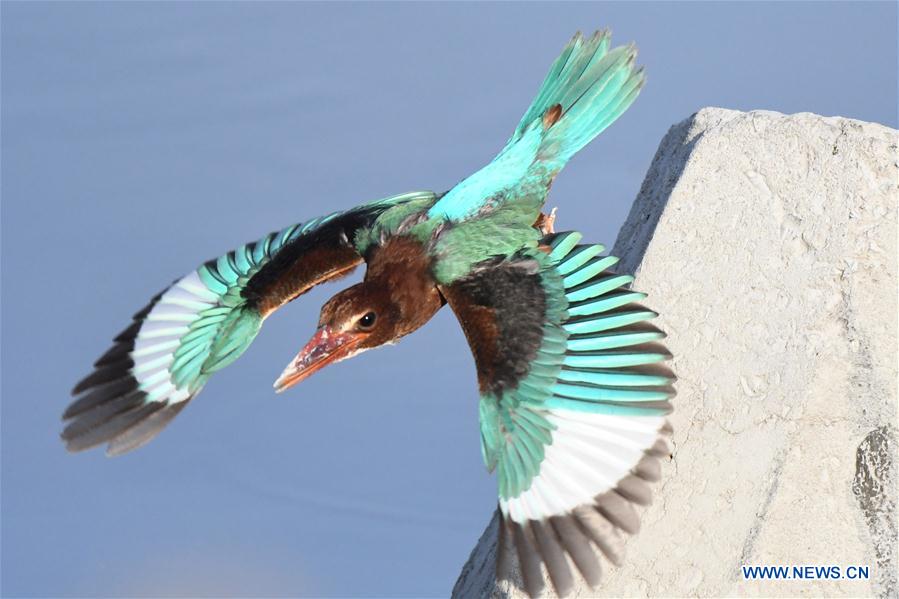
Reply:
x=805 y=573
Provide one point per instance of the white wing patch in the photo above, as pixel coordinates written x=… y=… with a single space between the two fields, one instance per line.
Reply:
x=160 y=336
x=589 y=455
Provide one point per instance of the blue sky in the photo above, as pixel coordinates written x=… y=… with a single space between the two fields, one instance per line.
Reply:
x=139 y=140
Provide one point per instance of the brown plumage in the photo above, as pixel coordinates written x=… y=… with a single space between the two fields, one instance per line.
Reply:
x=552 y=116
x=398 y=288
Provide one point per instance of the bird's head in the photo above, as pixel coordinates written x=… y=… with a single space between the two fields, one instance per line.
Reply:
x=357 y=319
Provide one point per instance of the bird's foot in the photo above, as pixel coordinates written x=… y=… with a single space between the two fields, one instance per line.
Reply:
x=545 y=222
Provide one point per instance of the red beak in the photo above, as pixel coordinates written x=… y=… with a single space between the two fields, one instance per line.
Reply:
x=325 y=347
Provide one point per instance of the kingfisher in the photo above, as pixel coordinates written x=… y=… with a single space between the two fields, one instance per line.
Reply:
x=573 y=392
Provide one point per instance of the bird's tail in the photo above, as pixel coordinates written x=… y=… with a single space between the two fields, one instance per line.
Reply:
x=588 y=87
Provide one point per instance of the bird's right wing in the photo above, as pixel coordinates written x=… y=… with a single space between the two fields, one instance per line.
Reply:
x=573 y=403
x=206 y=320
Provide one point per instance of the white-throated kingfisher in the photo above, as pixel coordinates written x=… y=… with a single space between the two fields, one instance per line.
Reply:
x=573 y=397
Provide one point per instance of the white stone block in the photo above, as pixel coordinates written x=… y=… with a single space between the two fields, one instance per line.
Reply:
x=768 y=245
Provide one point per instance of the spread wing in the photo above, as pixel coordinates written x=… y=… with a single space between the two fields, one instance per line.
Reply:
x=206 y=320
x=572 y=404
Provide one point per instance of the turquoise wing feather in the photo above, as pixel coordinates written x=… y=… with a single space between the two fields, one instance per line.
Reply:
x=205 y=321
x=588 y=87
x=573 y=399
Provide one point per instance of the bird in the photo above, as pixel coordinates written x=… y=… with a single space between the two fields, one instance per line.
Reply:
x=573 y=389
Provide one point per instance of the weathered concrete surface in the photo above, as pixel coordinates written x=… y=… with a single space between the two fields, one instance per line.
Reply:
x=768 y=244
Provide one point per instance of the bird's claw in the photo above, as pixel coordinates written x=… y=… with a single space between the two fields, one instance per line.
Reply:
x=545 y=222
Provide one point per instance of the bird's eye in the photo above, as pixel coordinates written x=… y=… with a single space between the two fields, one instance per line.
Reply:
x=368 y=321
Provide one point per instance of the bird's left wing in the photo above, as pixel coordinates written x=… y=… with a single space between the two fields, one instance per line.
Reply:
x=573 y=403
x=205 y=320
